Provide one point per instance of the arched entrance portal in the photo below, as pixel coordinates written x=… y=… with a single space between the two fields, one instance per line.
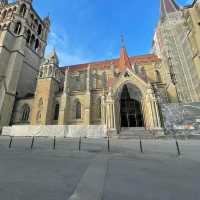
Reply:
x=130 y=107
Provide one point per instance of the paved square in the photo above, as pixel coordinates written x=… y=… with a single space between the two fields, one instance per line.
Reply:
x=65 y=173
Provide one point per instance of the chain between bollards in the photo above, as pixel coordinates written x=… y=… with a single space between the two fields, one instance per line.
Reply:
x=11 y=140
x=141 y=147
x=108 y=144
x=32 y=142
x=79 y=144
x=54 y=142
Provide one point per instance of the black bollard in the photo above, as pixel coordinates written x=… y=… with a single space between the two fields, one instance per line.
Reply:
x=54 y=142
x=108 y=144
x=178 y=148
x=11 y=140
x=79 y=144
x=141 y=147
x=32 y=142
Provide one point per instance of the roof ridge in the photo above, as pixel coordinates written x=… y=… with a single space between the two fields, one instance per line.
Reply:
x=105 y=63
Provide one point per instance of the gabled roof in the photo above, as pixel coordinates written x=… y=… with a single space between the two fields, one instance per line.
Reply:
x=105 y=64
x=167 y=7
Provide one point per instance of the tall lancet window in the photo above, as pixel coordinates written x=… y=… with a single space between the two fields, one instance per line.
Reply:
x=23 y=10
x=18 y=27
x=56 y=113
x=98 y=108
x=78 y=110
x=25 y=113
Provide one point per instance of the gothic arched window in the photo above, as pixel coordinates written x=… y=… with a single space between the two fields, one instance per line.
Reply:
x=18 y=27
x=39 y=116
x=56 y=113
x=32 y=40
x=78 y=110
x=37 y=44
x=41 y=73
x=99 y=108
x=25 y=113
x=39 y=29
x=158 y=76
x=36 y=22
x=28 y=36
x=22 y=10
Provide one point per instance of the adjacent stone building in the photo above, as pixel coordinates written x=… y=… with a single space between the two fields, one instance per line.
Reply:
x=176 y=42
x=116 y=93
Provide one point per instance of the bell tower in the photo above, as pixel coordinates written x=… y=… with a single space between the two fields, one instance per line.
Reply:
x=23 y=39
x=48 y=85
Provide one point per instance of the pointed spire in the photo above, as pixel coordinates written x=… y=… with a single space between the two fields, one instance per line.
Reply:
x=167 y=7
x=53 y=58
x=124 y=60
x=122 y=41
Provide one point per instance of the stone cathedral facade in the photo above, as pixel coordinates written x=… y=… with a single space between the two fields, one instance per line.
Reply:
x=128 y=91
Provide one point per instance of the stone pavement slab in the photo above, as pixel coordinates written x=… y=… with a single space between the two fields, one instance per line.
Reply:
x=93 y=173
x=91 y=185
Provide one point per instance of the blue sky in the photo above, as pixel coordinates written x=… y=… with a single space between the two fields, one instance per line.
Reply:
x=89 y=30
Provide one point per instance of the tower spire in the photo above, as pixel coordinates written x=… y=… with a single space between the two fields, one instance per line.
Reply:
x=167 y=7
x=122 y=41
x=124 y=60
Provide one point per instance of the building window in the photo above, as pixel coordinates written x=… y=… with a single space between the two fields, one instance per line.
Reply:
x=28 y=36
x=36 y=22
x=39 y=29
x=37 y=44
x=32 y=41
x=78 y=110
x=18 y=27
x=56 y=113
x=99 y=108
x=158 y=76
x=41 y=73
x=23 y=10
x=39 y=116
x=25 y=113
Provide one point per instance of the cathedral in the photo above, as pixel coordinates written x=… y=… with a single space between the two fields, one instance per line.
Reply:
x=112 y=95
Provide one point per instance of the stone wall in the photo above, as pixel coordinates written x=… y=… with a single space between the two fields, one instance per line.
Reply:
x=73 y=131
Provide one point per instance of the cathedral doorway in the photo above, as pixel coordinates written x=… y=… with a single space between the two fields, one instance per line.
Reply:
x=130 y=108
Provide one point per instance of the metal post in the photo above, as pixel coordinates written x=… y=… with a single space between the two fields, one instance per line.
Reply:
x=54 y=142
x=141 y=147
x=178 y=148
x=79 y=146
x=32 y=143
x=108 y=144
x=11 y=140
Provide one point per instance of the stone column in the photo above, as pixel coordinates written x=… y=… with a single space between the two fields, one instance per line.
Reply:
x=88 y=98
x=154 y=109
x=64 y=104
x=110 y=113
x=103 y=110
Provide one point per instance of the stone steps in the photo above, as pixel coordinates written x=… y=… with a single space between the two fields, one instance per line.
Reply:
x=135 y=133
